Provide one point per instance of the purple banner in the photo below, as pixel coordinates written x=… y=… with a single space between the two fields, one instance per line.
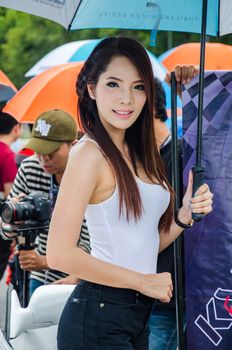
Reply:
x=208 y=245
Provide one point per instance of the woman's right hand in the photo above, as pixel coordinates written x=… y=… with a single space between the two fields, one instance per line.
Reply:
x=158 y=286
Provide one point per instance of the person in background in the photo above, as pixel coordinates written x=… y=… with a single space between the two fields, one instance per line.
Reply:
x=114 y=176
x=54 y=133
x=163 y=328
x=10 y=131
x=22 y=154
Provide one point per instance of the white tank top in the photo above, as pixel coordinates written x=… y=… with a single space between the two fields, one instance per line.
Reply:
x=134 y=244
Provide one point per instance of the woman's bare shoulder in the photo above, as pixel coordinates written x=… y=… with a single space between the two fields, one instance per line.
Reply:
x=86 y=150
x=85 y=166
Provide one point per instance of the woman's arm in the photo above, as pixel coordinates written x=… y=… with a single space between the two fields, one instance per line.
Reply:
x=200 y=203
x=80 y=180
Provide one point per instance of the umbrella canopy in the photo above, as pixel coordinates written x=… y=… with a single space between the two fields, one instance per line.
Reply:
x=79 y=51
x=54 y=88
x=75 y=51
x=7 y=88
x=178 y=15
x=217 y=56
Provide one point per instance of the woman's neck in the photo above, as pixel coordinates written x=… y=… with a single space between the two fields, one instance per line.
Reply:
x=118 y=138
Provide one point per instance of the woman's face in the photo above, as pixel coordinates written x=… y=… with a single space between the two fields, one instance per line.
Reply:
x=119 y=94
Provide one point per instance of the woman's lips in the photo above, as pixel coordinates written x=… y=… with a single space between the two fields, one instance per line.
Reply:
x=123 y=114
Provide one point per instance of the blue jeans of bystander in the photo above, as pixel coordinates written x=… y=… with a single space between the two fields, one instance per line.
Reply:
x=33 y=284
x=163 y=332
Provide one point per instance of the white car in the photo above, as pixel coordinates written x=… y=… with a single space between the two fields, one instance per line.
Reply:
x=34 y=327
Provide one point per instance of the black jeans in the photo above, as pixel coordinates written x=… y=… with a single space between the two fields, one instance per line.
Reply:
x=98 y=317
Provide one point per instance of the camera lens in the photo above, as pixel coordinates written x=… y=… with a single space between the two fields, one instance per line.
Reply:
x=23 y=211
x=12 y=213
x=35 y=207
x=8 y=212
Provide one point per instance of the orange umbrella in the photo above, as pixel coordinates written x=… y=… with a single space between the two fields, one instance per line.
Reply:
x=218 y=56
x=7 y=88
x=54 y=88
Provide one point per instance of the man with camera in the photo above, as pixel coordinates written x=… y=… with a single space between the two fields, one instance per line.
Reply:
x=53 y=135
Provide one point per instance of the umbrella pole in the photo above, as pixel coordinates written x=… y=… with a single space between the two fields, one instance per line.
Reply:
x=198 y=178
x=178 y=261
x=198 y=170
x=70 y=24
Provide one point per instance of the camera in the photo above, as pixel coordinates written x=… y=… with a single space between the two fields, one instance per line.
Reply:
x=35 y=207
x=23 y=221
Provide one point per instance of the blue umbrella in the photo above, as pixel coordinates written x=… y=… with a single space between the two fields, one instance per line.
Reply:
x=178 y=15
x=83 y=53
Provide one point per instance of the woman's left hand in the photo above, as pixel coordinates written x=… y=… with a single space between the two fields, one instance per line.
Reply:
x=201 y=203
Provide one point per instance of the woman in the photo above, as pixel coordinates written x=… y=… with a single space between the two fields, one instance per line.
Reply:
x=115 y=177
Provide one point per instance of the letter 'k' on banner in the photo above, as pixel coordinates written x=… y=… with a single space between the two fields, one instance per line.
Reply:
x=208 y=244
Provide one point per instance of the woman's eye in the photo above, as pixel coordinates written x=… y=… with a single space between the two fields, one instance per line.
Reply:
x=112 y=84
x=139 y=87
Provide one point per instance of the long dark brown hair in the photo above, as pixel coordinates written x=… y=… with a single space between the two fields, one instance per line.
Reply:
x=139 y=137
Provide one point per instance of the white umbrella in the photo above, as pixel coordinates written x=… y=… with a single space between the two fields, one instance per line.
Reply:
x=63 y=54
x=79 y=51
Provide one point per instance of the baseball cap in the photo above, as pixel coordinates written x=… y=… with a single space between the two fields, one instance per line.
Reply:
x=50 y=130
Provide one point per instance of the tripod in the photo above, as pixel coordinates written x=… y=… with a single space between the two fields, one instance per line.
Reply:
x=26 y=234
